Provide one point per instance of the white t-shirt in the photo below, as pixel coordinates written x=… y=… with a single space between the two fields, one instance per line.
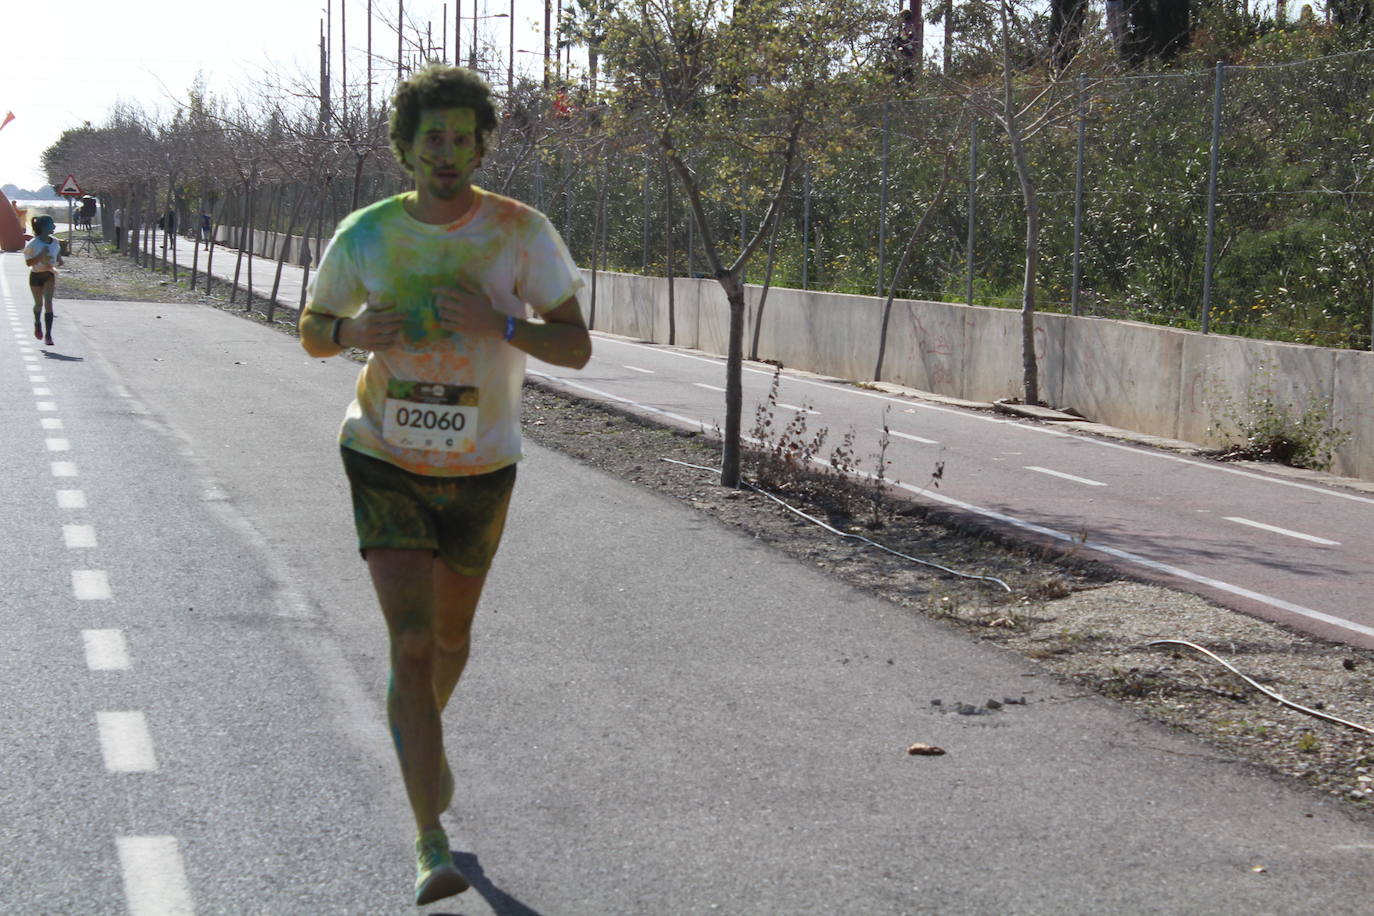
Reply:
x=384 y=256
x=38 y=248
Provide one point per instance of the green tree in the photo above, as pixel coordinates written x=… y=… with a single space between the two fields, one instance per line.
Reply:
x=733 y=96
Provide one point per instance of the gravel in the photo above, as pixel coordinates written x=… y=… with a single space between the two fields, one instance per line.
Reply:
x=1082 y=620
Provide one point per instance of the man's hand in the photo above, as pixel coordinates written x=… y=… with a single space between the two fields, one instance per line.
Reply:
x=462 y=311
x=373 y=329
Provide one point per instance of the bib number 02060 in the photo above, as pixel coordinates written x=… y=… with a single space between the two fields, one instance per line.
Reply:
x=430 y=416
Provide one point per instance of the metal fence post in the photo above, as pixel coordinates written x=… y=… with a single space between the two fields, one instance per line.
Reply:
x=645 y=270
x=1209 y=262
x=882 y=202
x=972 y=201
x=806 y=227
x=1078 y=198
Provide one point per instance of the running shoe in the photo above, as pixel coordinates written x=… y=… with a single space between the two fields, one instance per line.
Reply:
x=436 y=877
x=37 y=331
x=47 y=341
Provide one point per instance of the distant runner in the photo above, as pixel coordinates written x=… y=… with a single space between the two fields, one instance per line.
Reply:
x=43 y=254
x=436 y=284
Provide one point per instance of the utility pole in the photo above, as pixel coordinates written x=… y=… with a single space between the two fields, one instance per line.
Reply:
x=369 y=64
x=548 y=13
x=510 y=64
x=343 y=54
x=400 y=38
x=324 y=82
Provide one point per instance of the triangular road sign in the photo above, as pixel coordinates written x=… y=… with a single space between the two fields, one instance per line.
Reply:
x=69 y=188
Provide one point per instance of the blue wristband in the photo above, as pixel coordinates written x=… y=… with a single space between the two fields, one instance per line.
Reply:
x=510 y=327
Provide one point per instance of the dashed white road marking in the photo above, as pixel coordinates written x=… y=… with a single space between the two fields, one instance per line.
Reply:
x=1083 y=480
x=90 y=584
x=1284 y=531
x=47 y=406
x=154 y=879
x=106 y=650
x=126 y=743
x=71 y=499
x=638 y=369
x=798 y=408
x=42 y=392
x=912 y=438
x=51 y=423
x=58 y=445
x=33 y=368
x=79 y=537
x=708 y=387
x=64 y=469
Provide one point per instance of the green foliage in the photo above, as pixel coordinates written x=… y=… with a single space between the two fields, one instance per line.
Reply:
x=1269 y=427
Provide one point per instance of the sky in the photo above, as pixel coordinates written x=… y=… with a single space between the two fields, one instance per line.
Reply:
x=72 y=61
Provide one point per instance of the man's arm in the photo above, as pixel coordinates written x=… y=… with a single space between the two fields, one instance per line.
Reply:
x=561 y=338
x=372 y=330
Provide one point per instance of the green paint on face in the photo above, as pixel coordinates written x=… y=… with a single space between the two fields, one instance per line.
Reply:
x=445 y=151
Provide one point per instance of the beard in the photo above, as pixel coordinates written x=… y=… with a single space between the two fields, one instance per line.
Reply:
x=445 y=189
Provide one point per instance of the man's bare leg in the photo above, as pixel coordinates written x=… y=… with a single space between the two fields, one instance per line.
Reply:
x=403 y=581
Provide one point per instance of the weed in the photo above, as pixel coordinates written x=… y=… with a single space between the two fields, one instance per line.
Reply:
x=1271 y=429
x=1308 y=743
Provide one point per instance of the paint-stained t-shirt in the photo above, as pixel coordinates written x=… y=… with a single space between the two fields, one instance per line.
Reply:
x=382 y=257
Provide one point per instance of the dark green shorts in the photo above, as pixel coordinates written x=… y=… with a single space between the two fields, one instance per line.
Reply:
x=460 y=519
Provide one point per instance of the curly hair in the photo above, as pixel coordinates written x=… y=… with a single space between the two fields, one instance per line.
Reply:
x=439 y=86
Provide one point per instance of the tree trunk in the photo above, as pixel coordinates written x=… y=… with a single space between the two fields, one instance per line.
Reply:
x=767 y=284
x=734 y=394
x=1028 y=287
x=238 y=261
x=252 y=241
x=282 y=253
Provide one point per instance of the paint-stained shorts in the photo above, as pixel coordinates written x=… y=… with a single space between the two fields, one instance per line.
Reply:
x=460 y=519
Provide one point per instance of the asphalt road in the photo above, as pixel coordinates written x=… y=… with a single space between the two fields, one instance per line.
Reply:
x=661 y=715
x=1292 y=550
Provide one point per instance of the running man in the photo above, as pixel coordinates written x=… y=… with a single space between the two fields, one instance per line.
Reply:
x=43 y=254
x=435 y=284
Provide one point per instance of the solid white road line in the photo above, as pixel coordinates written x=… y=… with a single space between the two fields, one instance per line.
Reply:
x=58 y=445
x=973 y=415
x=106 y=650
x=78 y=536
x=912 y=438
x=1155 y=565
x=645 y=371
x=687 y=421
x=51 y=423
x=1083 y=480
x=1284 y=531
x=71 y=499
x=90 y=584
x=64 y=469
x=125 y=742
x=798 y=409
x=708 y=387
x=154 y=879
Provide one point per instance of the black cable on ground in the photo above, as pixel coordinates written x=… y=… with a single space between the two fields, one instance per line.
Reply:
x=847 y=535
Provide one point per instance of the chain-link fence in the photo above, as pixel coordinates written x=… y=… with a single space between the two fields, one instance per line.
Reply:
x=1124 y=180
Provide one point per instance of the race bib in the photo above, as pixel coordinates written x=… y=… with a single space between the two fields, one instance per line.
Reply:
x=430 y=416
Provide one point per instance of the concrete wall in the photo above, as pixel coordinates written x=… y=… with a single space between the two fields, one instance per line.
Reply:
x=1151 y=379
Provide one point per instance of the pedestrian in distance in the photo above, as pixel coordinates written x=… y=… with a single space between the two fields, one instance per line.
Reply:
x=118 y=217
x=43 y=254
x=437 y=285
